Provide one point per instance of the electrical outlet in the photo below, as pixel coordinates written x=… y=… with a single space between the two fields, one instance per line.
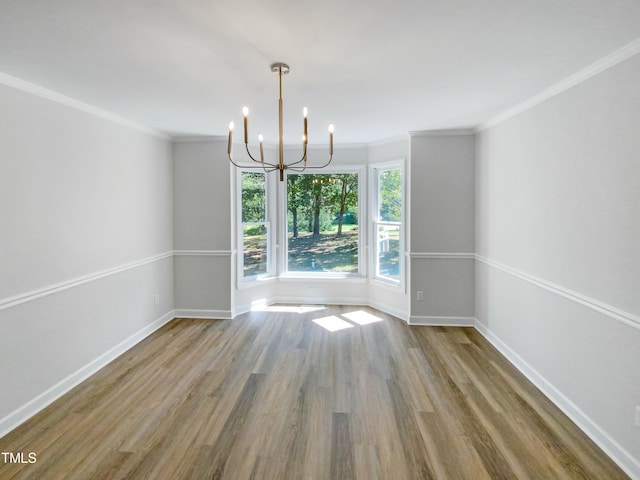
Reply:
x=638 y=416
x=420 y=296
x=156 y=299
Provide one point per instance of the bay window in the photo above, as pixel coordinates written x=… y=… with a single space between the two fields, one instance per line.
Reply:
x=322 y=223
x=387 y=231
x=255 y=226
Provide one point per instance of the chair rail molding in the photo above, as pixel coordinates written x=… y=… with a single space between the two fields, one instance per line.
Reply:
x=31 y=295
x=609 y=310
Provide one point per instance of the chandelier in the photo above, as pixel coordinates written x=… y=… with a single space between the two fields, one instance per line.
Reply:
x=297 y=166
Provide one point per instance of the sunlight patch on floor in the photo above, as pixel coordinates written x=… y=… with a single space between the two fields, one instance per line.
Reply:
x=361 y=317
x=332 y=323
x=287 y=308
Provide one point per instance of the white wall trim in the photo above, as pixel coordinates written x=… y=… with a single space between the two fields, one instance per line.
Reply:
x=442 y=255
x=202 y=253
x=34 y=89
x=31 y=295
x=443 y=133
x=612 y=448
x=242 y=309
x=600 y=307
x=393 y=311
x=441 y=321
x=205 y=314
x=327 y=277
x=309 y=300
x=199 y=138
x=32 y=407
x=386 y=141
x=580 y=76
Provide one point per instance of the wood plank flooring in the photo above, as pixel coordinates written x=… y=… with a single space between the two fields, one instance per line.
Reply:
x=275 y=395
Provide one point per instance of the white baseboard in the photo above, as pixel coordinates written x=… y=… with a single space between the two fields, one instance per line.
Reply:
x=444 y=321
x=322 y=300
x=241 y=309
x=195 y=313
x=614 y=450
x=402 y=315
x=32 y=407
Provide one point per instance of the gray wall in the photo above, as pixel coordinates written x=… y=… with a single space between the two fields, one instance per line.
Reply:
x=442 y=227
x=392 y=300
x=202 y=228
x=558 y=276
x=86 y=218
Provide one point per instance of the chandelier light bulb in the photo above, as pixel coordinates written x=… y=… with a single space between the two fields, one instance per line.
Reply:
x=331 y=139
x=230 y=139
x=304 y=136
x=245 y=112
x=260 y=138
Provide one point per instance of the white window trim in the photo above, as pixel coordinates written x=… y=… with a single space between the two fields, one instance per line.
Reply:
x=242 y=281
x=283 y=247
x=374 y=278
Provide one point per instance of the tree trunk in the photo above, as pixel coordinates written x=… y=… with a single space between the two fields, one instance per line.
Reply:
x=343 y=199
x=294 y=214
x=316 y=215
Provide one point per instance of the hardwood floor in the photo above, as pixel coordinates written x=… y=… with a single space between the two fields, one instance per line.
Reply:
x=275 y=395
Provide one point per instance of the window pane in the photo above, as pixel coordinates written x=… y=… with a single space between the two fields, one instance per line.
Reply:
x=322 y=218
x=255 y=228
x=390 y=195
x=255 y=249
x=253 y=197
x=389 y=251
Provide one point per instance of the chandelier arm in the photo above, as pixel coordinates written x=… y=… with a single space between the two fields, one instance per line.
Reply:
x=303 y=159
x=295 y=163
x=321 y=166
x=251 y=156
x=297 y=169
x=264 y=166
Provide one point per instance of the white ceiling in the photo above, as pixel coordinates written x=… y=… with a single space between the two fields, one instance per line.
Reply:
x=374 y=68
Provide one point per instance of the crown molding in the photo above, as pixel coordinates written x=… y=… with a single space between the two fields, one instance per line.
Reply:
x=387 y=141
x=198 y=138
x=443 y=133
x=34 y=89
x=611 y=60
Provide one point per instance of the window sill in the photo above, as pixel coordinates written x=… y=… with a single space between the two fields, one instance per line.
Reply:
x=388 y=285
x=297 y=277
x=255 y=282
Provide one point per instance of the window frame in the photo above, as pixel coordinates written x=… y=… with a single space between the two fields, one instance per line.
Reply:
x=269 y=208
x=283 y=247
x=375 y=222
